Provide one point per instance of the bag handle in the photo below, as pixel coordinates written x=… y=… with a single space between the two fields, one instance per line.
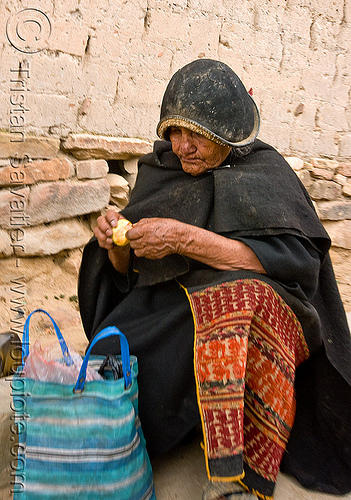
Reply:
x=107 y=332
x=25 y=339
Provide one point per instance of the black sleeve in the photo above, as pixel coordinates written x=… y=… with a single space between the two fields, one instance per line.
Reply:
x=100 y=286
x=290 y=260
x=123 y=282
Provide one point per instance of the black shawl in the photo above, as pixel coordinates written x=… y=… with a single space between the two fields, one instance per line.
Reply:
x=258 y=195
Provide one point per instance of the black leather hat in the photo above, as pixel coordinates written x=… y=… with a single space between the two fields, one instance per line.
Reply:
x=207 y=97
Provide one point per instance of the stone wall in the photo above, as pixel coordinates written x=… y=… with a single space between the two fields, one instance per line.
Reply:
x=48 y=193
x=48 y=196
x=329 y=185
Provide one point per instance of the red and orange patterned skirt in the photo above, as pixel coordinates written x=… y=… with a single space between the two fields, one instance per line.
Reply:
x=248 y=343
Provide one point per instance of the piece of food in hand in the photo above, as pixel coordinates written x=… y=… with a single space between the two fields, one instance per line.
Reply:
x=119 y=232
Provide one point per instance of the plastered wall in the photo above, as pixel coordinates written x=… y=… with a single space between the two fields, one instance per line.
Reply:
x=102 y=66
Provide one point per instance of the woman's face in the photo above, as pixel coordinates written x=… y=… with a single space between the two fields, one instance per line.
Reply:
x=197 y=154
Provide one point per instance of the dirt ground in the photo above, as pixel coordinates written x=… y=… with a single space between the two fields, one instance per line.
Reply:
x=50 y=283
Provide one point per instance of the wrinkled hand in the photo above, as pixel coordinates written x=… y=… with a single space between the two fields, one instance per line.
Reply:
x=103 y=229
x=155 y=238
x=119 y=256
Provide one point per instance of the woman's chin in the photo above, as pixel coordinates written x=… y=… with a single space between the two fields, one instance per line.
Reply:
x=193 y=168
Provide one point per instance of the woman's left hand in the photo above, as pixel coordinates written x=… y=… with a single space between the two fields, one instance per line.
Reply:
x=155 y=238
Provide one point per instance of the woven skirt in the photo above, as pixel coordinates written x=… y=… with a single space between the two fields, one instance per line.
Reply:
x=248 y=343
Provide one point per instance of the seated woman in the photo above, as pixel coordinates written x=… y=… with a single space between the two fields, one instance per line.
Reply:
x=227 y=296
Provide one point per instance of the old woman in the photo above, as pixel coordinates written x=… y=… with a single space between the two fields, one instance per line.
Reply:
x=228 y=298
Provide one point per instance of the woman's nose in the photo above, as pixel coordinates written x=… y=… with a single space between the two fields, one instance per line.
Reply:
x=187 y=144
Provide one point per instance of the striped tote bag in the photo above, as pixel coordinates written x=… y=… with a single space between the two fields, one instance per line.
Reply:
x=81 y=441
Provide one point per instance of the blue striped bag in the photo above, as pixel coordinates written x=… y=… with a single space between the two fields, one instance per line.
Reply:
x=82 y=440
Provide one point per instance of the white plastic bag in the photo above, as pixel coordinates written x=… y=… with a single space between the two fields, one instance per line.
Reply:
x=48 y=365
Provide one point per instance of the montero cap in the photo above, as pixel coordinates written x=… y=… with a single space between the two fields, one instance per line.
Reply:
x=207 y=97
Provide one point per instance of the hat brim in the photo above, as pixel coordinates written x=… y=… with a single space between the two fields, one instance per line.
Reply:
x=179 y=121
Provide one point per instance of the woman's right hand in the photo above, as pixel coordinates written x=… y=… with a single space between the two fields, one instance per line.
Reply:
x=103 y=229
x=119 y=256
